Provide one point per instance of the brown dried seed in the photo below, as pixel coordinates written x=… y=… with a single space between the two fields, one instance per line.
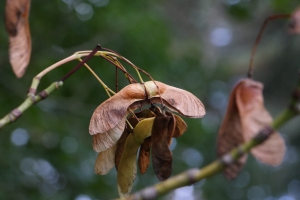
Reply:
x=245 y=117
x=17 y=26
x=161 y=154
x=144 y=155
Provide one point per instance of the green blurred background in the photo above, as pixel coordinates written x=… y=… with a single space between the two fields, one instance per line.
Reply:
x=200 y=46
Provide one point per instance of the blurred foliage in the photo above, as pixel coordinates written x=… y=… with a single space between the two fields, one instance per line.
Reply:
x=200 y=46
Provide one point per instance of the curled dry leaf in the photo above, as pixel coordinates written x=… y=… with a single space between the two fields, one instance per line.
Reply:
x=128 y=164
x=230 y=136
x=245 y=117
x=17 y=26
x=294 y=24
x=254 y=117
x=161 y=154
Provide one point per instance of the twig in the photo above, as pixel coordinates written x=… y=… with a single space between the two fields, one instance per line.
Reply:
x=270 y=18
x=29 y=101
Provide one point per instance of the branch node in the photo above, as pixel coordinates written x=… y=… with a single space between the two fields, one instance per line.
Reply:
x=227 y=159
x=31 y=91
x=15 y=114
x=148 y=194
x=192 y=175
x=58 y=84
x=43 y=94
x=263 y=134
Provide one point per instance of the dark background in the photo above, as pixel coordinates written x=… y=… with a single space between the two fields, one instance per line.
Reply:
x=201 y=46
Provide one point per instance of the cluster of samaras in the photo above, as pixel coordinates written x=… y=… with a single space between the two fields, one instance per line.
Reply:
x=121 y=125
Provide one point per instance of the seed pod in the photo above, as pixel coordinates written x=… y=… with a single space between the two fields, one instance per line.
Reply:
x=161 y=154
x=245 y=117
x=17 y=26
x=128 y=165
x=254 y=117
x=121 y=142
x=144 y=155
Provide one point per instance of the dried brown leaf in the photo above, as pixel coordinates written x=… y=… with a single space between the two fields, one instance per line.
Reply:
x=177 y=99
x=144 y=155
x=245 y=117
x=105 y=161
x=230 y=136
x=17 y=26
x=294 y=25
x=254 y=117
x=161 y=154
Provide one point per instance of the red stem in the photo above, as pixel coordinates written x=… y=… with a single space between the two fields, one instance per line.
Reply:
x=270 y=18
x=97 y=48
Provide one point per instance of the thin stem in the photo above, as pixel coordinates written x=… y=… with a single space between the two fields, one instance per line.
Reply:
x=55 y=65
x=118 y=64
x=106 y=88
x=270 y=18
x=95 y=50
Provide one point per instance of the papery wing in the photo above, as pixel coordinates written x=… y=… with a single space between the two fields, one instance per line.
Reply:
x=254 y=118
x=182 y=101
x=105 y=161
x=230 y=136
x=103 y=141
x=112 y=111
x=17 y=26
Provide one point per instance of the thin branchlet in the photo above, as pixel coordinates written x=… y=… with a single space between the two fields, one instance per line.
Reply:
x=95 y=50
x=267 y=20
